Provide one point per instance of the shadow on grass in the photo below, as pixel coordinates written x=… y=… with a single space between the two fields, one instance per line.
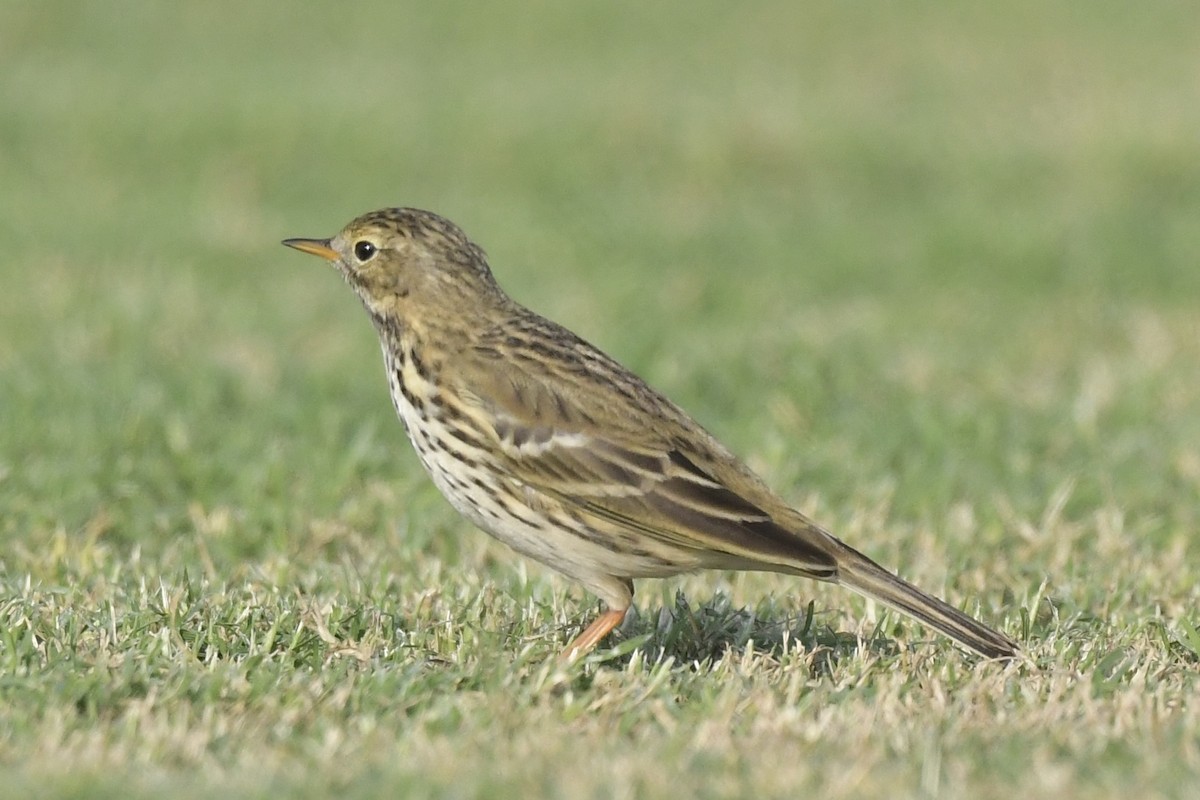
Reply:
x=705 y=633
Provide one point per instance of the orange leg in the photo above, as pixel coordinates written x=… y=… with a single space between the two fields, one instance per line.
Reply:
x=592 y=635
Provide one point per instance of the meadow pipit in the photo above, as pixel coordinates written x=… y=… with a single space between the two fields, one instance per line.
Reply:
x=564 y=455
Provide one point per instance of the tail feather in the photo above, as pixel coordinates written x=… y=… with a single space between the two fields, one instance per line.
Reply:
x=857 y=572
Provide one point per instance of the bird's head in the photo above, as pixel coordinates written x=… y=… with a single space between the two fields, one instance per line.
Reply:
x=403 y=261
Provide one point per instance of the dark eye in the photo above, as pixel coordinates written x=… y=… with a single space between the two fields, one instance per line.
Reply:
x=364 y=250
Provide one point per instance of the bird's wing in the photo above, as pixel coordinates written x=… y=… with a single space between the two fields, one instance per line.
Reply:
x=591 y=451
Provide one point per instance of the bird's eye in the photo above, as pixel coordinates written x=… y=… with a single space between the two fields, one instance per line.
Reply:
x=364 y=250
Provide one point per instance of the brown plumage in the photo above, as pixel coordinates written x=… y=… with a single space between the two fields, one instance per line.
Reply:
x=557 y=450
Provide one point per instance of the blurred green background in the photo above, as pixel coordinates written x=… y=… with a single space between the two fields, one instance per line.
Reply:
x=932 y=268
x=696 y=188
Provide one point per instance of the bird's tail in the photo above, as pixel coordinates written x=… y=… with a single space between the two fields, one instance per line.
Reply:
x=857 y=572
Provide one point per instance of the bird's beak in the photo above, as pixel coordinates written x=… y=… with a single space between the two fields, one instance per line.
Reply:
x=318 y=247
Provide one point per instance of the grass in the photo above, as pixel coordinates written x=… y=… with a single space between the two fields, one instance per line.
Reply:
x=931 y=270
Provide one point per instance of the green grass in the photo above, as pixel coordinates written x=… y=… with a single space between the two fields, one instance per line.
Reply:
x=932 y=269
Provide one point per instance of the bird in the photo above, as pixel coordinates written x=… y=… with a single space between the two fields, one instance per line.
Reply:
x=551 y=446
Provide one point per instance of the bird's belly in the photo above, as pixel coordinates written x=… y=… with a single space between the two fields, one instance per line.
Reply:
x=519 y=517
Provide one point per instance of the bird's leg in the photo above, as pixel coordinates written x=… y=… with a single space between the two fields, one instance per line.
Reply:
x=592 y=635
